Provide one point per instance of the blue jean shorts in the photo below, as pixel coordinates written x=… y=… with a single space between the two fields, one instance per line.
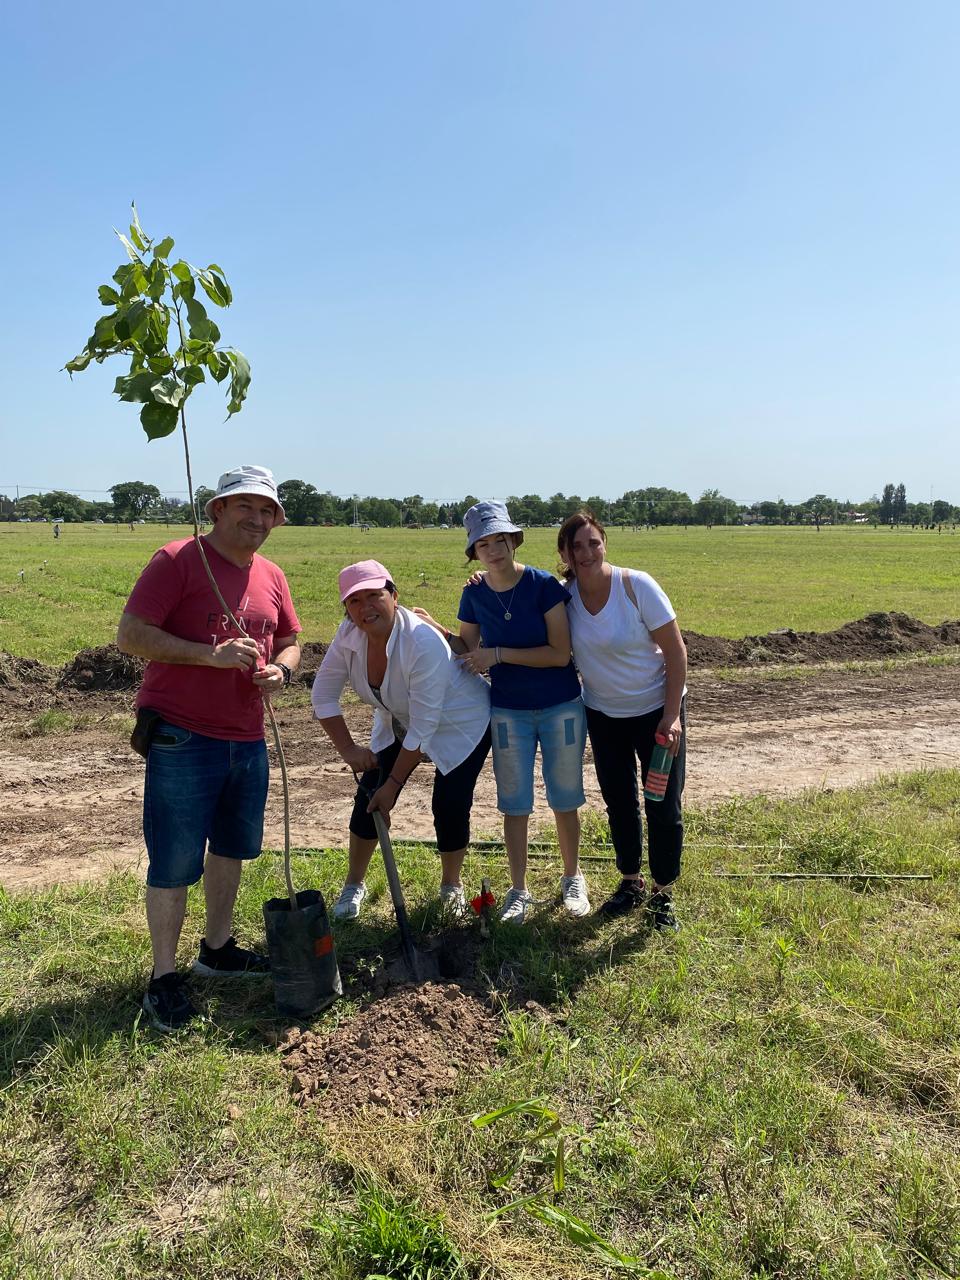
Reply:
x=200 y=790
x=562 y=734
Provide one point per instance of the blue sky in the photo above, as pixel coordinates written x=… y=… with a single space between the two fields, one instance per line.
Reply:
x=501 y=247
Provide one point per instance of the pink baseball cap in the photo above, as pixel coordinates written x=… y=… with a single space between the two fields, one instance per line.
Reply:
x=366 y=575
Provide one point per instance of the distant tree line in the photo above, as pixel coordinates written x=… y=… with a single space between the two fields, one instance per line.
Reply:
x=305 y=505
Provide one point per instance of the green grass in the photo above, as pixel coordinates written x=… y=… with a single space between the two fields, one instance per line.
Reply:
x=731 y=582
x=772 y=1093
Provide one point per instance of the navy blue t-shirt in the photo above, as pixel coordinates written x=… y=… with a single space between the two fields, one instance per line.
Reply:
x=522 y=688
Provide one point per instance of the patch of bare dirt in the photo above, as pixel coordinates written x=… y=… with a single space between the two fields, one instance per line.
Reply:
x=70 y=805
x=878 y=635
x=400 y=1054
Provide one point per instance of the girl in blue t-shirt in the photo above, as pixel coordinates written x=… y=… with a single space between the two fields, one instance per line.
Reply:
x=520 y=615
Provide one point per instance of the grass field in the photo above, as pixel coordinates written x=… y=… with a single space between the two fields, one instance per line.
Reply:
x=723 y=581
x=775 y=1092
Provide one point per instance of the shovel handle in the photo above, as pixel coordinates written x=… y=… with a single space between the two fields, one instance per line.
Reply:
x=396 y=891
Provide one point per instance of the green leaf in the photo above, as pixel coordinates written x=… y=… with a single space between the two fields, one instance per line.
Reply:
x=239 y=381
x=134 y=282
x=201 y=326
x=135 y=388
x=170 y=391
x=532 y=1106
x=559 y=1168
x=104 y=333
x=158 y=420
x=581 y=1233
x=109 y=297
x=160 y=364
x=218 y=365
x=132 y=322
x=79 y=363
x=192 y=375
x=215 y=287
x=131 y=251
x=137 y=233
x=184 y=288
x=162 y=249
x=182 y=271
x=156 y=280
x=160 y=323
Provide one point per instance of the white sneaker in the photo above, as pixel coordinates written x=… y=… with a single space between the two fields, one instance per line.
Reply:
x=347 y=906
x=453 y=900
x=515 y=904
x=573 y=890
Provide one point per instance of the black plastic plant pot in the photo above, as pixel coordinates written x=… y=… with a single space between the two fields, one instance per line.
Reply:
x=303 y=959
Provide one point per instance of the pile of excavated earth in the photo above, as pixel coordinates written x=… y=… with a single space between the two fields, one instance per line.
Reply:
x=26 y=683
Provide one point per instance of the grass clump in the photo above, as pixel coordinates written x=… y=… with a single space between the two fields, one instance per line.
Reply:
x=383 y=1236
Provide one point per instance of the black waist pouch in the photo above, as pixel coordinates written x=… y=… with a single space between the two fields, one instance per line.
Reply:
x=144 y=729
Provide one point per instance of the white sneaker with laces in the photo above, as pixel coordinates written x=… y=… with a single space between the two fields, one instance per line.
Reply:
x=573 y=890
x=347 y=906
x=515 y=904
x=453 y=900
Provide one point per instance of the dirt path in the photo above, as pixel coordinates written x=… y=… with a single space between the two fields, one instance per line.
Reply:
x=70 y=805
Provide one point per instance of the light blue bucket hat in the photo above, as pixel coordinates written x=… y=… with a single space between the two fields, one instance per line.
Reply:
x=484 y=519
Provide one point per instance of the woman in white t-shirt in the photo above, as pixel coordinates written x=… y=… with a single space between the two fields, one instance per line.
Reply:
x=633 y=663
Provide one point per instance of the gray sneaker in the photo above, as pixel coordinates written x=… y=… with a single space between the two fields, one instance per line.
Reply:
x=453 y=901
x=347 y=906
x=515 y=906
x=573 y=890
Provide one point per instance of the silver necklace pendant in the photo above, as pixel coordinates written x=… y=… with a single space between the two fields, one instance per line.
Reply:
x=507 y=615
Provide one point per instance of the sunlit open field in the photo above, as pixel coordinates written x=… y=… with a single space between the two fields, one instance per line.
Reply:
x=723 y=581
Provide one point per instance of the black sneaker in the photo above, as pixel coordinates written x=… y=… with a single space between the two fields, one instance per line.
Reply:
x=627 y=897
x=660 y=907
x=167 y=1004
x=229 y=961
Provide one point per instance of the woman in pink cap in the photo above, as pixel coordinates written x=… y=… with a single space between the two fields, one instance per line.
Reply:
x=426 y=707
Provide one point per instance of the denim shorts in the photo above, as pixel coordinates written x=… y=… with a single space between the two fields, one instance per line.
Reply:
x=562 y=734
x=200 y=790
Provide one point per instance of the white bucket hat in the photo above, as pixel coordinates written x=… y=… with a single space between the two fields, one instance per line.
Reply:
x=258 y=481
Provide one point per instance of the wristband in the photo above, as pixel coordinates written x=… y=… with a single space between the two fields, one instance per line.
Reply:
x=287 y=673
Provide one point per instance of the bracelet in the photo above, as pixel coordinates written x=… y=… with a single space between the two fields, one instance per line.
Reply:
x=396 y=781
x=449 y=637
x=287 y=673
x=497 y=656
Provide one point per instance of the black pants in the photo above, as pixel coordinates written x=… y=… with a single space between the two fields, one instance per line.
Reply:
x=452 y=796
x=617 y=745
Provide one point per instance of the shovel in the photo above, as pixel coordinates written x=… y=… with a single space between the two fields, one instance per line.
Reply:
x=396 y=892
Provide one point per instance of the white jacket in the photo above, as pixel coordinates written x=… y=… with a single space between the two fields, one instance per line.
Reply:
x=443 y=707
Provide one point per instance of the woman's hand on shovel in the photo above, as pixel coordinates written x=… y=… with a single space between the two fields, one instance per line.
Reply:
x=383 y=800
x=360 y=759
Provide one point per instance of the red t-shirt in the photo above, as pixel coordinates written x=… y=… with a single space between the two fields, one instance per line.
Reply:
x=173 y=593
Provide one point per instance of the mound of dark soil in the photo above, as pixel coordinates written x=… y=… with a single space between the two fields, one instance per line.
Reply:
x=401 y=1053
x=878 y=635
x=311 y=655
x=24 y=673
x=103 y=668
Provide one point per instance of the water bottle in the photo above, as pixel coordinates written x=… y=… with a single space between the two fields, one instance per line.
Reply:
x=658 y=775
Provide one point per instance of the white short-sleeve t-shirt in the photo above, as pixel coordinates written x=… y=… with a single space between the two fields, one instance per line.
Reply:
x=621 y=665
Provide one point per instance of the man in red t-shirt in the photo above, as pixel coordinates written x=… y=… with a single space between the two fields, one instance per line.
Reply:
x=206 y=780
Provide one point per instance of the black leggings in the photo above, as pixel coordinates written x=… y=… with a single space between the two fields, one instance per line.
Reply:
x=617 y=744
x=452 y=796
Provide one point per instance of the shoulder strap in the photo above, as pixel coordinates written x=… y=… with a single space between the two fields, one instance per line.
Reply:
x=628 y=588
